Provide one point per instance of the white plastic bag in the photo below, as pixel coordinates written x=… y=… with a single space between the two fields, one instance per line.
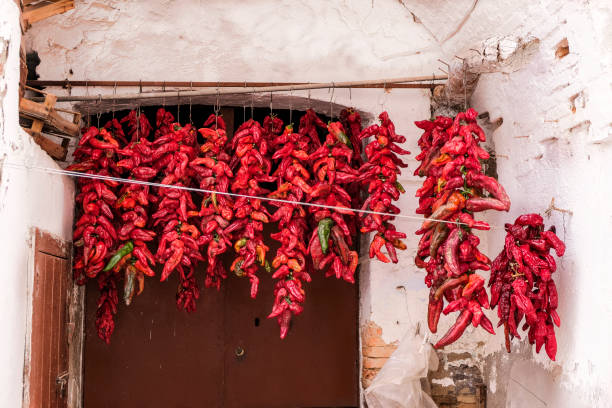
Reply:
x=398 y=383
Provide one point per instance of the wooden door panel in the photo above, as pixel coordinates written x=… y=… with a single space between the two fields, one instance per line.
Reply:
x=158 y=356
x=314 y=366
x=49 y=341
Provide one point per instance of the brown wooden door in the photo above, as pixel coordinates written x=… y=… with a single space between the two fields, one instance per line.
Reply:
x=47 y=379
x=161 y=357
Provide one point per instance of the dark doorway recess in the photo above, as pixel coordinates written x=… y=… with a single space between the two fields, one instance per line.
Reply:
x=227 y=353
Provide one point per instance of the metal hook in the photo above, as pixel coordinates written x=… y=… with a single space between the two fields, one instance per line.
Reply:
x=271 y=112
x=87 y=93
x=164 y=92
x=178 y=106
x=309 y=101
x=350 y=94
x=190 y=100
x=252 y=101
x=217 y=108
x=244 y=106
x=331 y=108
x=99 y=113
x=138 y=113
x=382 y=105
x=114 y=99
x=291 y=105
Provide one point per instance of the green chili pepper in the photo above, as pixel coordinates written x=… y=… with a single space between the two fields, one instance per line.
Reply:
x=214 y=199
x=324 y=230
x=399 y=186
x=344 y=139
x=127 y=248
x=267 y=266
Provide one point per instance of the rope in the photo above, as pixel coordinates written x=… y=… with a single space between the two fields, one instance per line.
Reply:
x=201 y=190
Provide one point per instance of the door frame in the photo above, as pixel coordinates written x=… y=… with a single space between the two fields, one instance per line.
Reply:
x=45 y=242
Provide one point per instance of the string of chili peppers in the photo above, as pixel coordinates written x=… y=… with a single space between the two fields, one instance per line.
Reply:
x=176 y=215
x=329 y=245
x=454 y=189
x=134 y=257
x=291 y=269
x=213 y=172
x=379 y=173
x=522 y=285
x=250 y=147
x=95 y=235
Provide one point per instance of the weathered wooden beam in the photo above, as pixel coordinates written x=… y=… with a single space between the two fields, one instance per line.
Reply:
x=49 y=116
x=56 y=151
x=42 y=10
x=53 y=149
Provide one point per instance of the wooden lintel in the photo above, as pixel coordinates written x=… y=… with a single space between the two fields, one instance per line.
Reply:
x=42 y=10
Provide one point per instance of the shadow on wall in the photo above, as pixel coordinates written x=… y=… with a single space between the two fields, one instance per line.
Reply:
x=531 y=386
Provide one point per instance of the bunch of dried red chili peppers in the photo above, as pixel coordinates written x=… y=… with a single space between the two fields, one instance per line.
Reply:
x=453 y=191
x=522 y=285
x=126 y=230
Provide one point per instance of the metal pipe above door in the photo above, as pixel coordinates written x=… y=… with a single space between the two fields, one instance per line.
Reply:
x=229 y=88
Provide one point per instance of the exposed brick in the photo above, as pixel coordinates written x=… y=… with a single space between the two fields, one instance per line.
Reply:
x=371 y=335
x=369 y=362
x=367 y=377
x=375 y=352
x=378 y=351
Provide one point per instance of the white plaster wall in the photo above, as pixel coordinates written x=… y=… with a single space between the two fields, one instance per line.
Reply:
x=27 y=199
x=343 y=40
x=545 y=150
